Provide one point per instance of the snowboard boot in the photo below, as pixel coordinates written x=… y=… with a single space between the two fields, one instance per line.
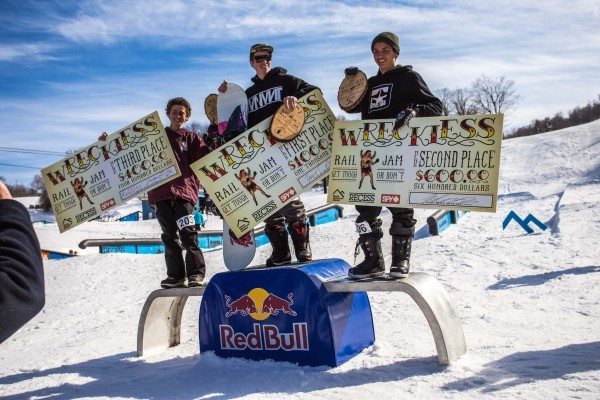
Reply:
x=373 y=265
x=300 y=238
x=195 y=281
x=401 y=246
x=173 y=283
x=278 y=237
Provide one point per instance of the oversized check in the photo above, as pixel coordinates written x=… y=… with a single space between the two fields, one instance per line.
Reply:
x=107 y=173
x=253 y=175
x=449 y=162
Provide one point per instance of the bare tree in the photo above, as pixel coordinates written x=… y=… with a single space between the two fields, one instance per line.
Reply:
x=462 y=101
x=20 y=190
x=44 y=202
x=37 y=183
x=494 y=95
x=445 y=96
x=197 y=127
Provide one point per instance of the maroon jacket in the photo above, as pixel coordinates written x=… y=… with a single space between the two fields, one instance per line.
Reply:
x=188 y=148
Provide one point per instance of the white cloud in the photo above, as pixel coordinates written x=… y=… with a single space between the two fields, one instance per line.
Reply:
x=28 y=52
x=551 y=51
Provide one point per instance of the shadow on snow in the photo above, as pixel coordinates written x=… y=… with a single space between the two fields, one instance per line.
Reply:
x=540 y=279
x=206 y=376
x=529 y=366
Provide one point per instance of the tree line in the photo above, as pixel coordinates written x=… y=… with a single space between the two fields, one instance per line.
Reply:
x=20 y=190
x=487 y=95
x=574 y=117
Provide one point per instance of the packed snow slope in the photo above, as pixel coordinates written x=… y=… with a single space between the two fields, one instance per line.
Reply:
x=529 y=305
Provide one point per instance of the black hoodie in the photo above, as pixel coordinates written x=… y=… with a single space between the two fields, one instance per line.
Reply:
x=266 y=95
x=21 y=269
x=397 y=89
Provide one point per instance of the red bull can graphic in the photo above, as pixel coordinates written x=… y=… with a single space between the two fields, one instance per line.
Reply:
x=285 y=314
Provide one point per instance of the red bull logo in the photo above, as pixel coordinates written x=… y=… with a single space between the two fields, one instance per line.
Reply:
x=265 y=337
x=259 y=305
x=244 y=305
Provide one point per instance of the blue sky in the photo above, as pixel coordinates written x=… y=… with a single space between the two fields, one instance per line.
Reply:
x=71 y=69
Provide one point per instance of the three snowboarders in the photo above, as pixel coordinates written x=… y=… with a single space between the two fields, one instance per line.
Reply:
x=394 y=92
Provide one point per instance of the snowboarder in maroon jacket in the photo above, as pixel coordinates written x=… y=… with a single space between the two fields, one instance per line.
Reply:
x=175 y=200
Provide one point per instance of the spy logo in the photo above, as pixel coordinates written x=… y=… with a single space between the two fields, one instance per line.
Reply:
x=380 y=97
x=390 y=199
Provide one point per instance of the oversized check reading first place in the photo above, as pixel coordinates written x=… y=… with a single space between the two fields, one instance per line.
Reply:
x=253 y=175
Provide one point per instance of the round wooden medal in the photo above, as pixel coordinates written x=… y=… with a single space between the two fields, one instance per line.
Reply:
x=285 y=126
x=210 y=108
x=352 y=90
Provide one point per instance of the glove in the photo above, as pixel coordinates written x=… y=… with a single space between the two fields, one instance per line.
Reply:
x=351 y=70
x=404 y=117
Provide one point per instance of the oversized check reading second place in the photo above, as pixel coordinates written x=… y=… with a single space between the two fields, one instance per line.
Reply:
x=447 y=163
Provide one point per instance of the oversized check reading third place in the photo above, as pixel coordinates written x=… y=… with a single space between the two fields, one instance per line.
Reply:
x=105 y=174
x=253 y=175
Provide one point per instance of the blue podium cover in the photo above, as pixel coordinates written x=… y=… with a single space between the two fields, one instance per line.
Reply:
x=285 y=314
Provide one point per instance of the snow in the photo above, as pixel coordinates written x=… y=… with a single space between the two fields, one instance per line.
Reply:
x=529 y=305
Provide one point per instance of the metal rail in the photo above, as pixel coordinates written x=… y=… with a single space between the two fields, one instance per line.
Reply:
x=433 y=300
x=153 y=241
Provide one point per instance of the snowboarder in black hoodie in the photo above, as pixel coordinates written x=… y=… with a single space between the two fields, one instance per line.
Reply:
x=401 y=93
x=272 y=88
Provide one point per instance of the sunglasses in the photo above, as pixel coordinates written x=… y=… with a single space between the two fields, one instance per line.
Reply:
x=266 y=57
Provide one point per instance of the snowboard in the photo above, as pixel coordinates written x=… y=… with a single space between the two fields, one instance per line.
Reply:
x=237 y=252
x=232 y=113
